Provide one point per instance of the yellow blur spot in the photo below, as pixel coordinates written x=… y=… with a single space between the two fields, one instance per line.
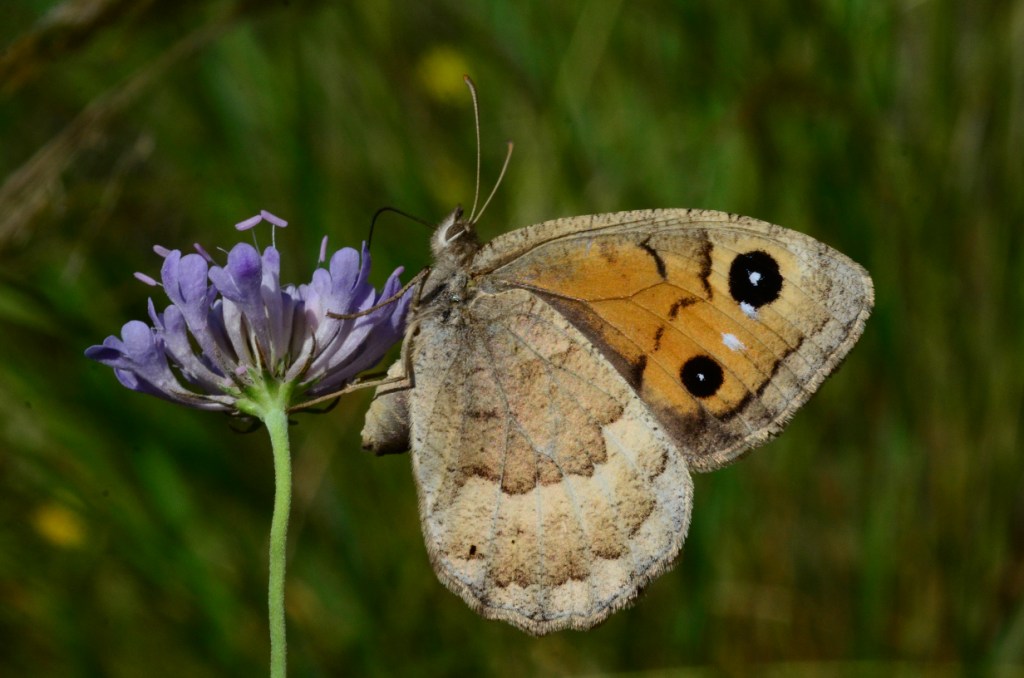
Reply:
x=440 y=71
x=450 y=183
x=59 y=525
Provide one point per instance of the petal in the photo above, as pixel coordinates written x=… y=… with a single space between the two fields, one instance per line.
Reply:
x=241 y=282
x=184 y=278
x=398 y=311
x=155 y=317
x=140 y=364
x=240 y=279
x=176 y=343
x=344 y=271
x=185 y=281
x=275 y=302
x=107 y=353
x=233 y=319
x=364 y=267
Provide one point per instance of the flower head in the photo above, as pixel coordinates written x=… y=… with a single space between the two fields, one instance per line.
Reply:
x=231 y=330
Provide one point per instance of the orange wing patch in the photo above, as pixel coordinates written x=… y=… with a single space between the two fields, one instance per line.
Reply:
x=662 y=309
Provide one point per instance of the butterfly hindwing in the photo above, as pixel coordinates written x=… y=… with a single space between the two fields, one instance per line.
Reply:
x=553 y=496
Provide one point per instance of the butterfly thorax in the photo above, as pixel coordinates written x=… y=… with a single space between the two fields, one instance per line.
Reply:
x=454 y=243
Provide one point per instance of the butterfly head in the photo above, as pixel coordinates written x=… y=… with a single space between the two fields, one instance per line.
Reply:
x=455 y=240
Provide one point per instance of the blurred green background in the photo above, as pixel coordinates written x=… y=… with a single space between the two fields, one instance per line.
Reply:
x=882 y=533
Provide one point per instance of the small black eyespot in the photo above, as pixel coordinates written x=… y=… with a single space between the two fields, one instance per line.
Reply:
x=472 y=549
x=701 y=376
x=754 y=279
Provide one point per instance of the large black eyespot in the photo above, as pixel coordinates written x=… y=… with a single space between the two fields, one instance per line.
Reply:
x=701 y=376
x=754 y=279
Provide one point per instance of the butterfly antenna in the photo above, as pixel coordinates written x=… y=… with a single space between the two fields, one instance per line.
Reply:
x=508 y=156
x=476 y=120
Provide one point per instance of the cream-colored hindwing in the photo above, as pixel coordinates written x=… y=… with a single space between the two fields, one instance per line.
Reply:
x=567 y=376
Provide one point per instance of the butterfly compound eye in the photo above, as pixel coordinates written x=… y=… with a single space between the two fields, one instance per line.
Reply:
x=754 y=279
x=701 y=376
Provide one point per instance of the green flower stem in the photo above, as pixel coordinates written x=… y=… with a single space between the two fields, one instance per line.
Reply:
x=270 y=407
x=277 y=426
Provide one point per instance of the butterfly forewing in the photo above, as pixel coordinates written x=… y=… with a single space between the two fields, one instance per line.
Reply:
x=724 y=325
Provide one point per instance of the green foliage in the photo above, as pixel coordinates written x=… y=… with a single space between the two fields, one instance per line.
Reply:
x=883 y=532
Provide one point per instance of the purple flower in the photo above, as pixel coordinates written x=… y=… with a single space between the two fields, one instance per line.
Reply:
x=231 y=330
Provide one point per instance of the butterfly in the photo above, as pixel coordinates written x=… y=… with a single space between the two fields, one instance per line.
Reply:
x=560 y=382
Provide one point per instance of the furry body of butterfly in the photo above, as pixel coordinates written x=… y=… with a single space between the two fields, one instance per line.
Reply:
x=566 y=377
